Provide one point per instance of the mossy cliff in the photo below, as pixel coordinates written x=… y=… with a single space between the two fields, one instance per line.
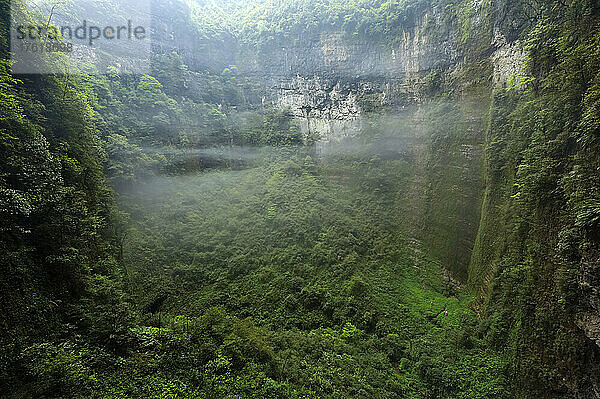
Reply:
x=535 y=260
x=534 y=264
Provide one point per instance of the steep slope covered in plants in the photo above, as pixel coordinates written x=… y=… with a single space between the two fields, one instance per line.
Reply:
x=536 y=258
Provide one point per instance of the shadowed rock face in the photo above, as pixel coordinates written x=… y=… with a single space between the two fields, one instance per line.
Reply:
x=589 y=281
x=590 y=324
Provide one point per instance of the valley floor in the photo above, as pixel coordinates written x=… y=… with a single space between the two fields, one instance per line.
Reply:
x=289 y=279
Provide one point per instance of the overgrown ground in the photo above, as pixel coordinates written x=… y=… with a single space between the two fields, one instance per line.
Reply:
x=289 y=279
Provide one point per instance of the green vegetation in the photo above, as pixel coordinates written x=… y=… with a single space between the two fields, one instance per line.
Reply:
x=287 y=279
x=538 y=233
x=174 y=234
x=263 y=23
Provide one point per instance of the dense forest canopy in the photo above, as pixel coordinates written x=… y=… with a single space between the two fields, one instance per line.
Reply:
x=308 y=199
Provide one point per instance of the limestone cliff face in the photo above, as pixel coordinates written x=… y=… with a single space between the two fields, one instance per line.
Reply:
x=320 y=78
x=507 y=60
x=427 y=44
x=323 y=108
x=331 y=82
